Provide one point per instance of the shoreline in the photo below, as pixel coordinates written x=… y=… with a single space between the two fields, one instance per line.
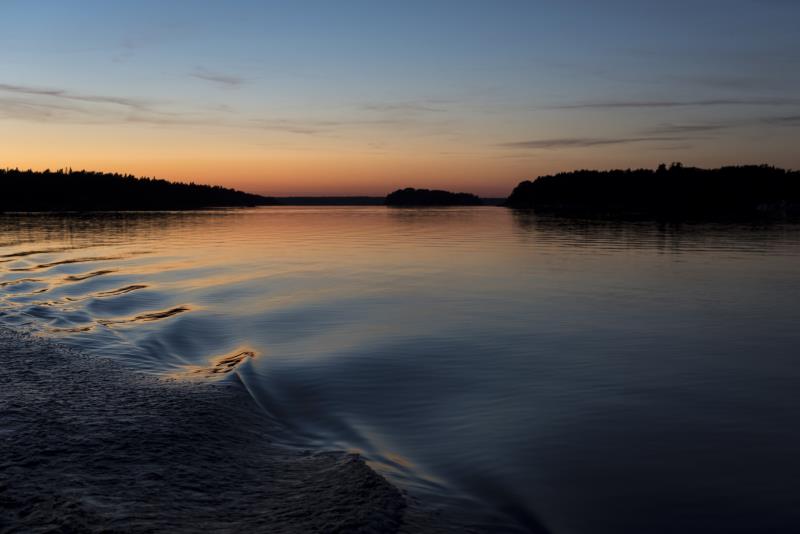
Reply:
x=91 y=445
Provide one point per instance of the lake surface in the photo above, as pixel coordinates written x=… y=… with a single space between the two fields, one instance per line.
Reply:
x=517 y=370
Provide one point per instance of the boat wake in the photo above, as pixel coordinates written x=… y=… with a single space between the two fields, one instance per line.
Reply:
x=91 y=446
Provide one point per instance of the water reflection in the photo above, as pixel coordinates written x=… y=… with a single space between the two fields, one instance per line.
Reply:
x=750 y=236
x=588 y=376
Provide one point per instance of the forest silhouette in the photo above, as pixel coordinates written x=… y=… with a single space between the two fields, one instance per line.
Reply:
x=430 y=197
x=68 y=190
x=666 y=192
x=672 y=192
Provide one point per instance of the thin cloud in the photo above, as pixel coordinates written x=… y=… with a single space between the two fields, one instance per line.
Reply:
x=583 y=142
x=617 y=104
x=68 y=95
x=664 y=133
x=39 y=104
x=166 y=119
x=673 y=129
x=227 y=80
x=322 y=126
x=739 y=83
x=403 y=107
x=20 y=109
x=60 y=105
x=305 y=127
x=76 y=114
x=788 y=120
x=52 y=105
x=677 y=129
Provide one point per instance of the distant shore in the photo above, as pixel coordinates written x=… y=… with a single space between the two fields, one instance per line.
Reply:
x=68 y=190
x=411 y=198
x=675 y=192
x=91 y=446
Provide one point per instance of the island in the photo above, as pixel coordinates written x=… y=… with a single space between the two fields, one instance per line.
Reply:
x=666 y=192
x=68 y=190
x=410 y=197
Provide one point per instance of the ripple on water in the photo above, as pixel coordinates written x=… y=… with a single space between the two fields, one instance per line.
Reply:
x=146 y=317
x=24 y=253
x=86 y=276
x=73 y=330
x=120 y=291
x=19 y=281
x=521 y=361
x=41 y=266
x=221 y=365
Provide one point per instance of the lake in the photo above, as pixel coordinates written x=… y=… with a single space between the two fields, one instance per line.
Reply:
x=520 y=371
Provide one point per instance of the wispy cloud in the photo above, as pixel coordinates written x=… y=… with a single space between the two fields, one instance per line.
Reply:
x=40 y=104
x=677 y=129
x=787 y=120
x=20 y=109
x=663 y=133
x=68 y=95
x=426 y=106
x=296 y=126
x=583 y=142
x=751 y=84
x=226 y=80
x=60 y=105
x=312 y=126
x=616 y=104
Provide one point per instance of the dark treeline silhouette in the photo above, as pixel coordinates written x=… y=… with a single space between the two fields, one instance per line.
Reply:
x=429 y=197
x=667 y=192
x=68 y=190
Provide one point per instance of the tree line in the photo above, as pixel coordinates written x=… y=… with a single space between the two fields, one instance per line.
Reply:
x=674 y=191
x=68 y=190
x=430 y=197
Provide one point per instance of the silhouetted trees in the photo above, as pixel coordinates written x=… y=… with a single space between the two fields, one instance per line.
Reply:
x=428 y=197
x=68 y=190
x=674 y=191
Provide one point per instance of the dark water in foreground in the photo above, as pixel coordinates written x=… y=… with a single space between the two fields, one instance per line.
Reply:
x=591 y=377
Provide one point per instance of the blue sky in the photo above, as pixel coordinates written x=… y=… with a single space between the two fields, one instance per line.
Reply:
x=357 y=96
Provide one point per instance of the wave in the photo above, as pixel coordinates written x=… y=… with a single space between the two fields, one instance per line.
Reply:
x=146 y=317
x=120 y=291
x=63 y=262
x=73 y=330
x=80 y=277
x=130 y=446
x=221 y=365
x=18 y=281
x=33 y=252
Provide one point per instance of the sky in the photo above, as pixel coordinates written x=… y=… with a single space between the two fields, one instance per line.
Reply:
x=363 y=97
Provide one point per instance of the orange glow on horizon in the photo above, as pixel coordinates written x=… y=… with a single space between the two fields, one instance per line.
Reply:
x=323 y=166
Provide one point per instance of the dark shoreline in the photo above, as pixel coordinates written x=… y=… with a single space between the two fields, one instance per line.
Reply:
x=89 y=445
x=675 y=193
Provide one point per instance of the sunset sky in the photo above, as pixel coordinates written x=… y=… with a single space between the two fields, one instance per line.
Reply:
x=363 y=97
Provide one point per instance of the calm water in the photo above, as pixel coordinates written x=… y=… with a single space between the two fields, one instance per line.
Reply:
x=588 y=377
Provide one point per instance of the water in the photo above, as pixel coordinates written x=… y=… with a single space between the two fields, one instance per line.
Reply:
x=522 y=371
